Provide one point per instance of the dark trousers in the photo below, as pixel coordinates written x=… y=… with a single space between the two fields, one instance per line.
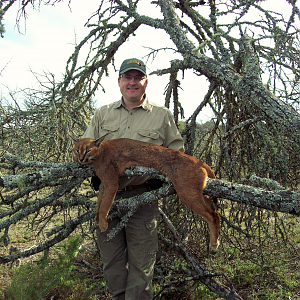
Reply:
x=129 y=258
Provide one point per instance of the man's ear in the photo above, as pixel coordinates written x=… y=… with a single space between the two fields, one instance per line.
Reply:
x=100 y=140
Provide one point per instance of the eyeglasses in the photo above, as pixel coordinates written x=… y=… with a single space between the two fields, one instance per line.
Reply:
x=128 y=78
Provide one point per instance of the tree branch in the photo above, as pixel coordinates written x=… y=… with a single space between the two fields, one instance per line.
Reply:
x=247 y=85
x=203 y=275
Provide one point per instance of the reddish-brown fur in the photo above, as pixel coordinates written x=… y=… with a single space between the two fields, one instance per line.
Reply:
x=188 y=174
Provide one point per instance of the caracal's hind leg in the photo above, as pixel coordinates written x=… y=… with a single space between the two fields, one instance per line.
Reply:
x=105 y=200
x=195 y=201
x=209 y=201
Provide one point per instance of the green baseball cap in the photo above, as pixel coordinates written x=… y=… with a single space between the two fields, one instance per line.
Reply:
x=132 y=64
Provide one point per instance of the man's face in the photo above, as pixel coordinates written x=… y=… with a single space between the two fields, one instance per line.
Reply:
x=132 y=91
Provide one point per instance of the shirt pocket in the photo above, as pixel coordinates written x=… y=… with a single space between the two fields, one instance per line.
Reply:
x=111 y=130
x=150 y=136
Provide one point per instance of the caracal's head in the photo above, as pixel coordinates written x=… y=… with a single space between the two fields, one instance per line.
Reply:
x=86 y=150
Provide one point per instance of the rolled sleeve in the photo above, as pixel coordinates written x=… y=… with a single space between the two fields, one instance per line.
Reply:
x=173 y=139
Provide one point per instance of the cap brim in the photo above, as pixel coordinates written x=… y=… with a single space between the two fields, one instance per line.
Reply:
x=128 y=69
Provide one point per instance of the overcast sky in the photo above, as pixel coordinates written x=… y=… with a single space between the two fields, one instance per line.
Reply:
x=47 y=41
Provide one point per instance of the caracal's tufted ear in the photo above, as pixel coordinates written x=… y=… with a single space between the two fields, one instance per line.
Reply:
x=100 y=140
x=75 y=139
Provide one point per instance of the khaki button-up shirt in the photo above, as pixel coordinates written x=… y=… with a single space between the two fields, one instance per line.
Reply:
x=148 y=122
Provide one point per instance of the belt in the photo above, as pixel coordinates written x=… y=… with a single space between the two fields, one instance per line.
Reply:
x=133 y=187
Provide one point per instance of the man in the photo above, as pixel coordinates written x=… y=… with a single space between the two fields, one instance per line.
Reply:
x=129 y=258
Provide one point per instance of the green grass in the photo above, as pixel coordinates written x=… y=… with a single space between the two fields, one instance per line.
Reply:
x=56 y=277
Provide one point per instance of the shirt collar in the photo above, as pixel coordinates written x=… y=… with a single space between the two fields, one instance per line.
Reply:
x=118 y=104
x=146 y=104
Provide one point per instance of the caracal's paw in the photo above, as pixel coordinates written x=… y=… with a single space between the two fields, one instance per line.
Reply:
x=103 y=225
x=214 y=247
